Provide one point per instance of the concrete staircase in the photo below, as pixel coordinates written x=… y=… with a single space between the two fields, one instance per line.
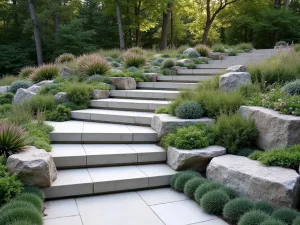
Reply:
x=111 y=146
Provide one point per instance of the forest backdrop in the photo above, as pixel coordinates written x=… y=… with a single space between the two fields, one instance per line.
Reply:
x=36 y=31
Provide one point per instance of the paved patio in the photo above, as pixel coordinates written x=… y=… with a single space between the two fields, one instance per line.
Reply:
x=149 y=207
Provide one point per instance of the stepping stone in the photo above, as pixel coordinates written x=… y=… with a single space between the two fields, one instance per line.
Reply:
x=145 y=94
x=166 y=85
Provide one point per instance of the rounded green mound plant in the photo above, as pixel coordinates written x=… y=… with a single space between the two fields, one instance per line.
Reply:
x=236 y=208
x=45 y=72
x=245 y=152
x=65 y=57
x=133 y=59
x=230 y=192
x=205 y=188
x=296 y=221
x=254 y=217
x=92 y=64
x=19 y=84
x=13 y=139
x=189 y=110
x=182 y=180
x=191 y=186
x=79 y=93
x=203 y=50
x=21 y=222
x=191 y=53
x=21 y=214
x=6 y=98
x=168 y=63
x=34 y=190
x=272 y=222
x=213 y=202
x=175 y=176
x=232 y=53
x=33 y=199
x=162 y=110
x=218 y=48
x=264 y=206
x=132 y=69
x=292 y=88
x=26 y=71
x=17 y=204
x=286 y=215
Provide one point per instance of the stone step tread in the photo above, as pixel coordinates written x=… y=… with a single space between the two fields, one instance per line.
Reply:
x=181 y=78
x=86 y=132
x=146 y=94
x=86 y=155
x=87 y=181
x=166 y=85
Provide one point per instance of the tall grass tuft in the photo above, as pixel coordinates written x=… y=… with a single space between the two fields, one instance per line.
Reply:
x=203 y=50
x=45 y=72
x=65 y=57
x=134 y=59
x=92 y=64
x=26 y=71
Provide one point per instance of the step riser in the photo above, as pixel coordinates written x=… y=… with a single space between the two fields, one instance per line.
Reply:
x=192 y=78
x=142 y=95
x=166 y=85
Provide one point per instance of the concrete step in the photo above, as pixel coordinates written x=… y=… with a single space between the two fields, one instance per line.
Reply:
x=166 y=85
x=93 y=132
x=88 y=181
x=184 y=78
x=90 y=155
x=128 y=104
x=145 y=94
x=204 y=72
x=113 y=116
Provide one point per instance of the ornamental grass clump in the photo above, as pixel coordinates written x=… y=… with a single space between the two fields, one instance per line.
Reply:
x=203 y=50
x=13 y=139
x=236 y=208
x=244 y=46
x=175 y=177
x=296 y=221
x=213 y=202
x=34 y=190
x=35 y=200
x=168 y=63
x=230 y=192
x=26 y=71
x=254 y=217
x=17 y=204
x=25 y=214
x=182 y=180
x=264 y=206
x=65 y=57
x=134 y=59
x=205 y=188
x=272 y=222
x=286 y=215
x=45 y=72
x=92 y=64
x=191 y=186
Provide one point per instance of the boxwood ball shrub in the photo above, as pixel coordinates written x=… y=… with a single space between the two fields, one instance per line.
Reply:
x=45 y=72
x=286 y=215
x=19 y=84
x=205 y=188
x=230 y=192
x=33 y=199
x=191 y=186
x=203 y=50
x=264 y=206
x=272 y=222
x=296 y=221
x=236 y=208
x=175 y=176
x=10 y=216
x=92 y=64
x=213 y=202
x=168 y=63
x=189 y=110
x=191 y=53
x=65 y=57
x=254 y=217
x=292 y=88
x=182 y=180
x=26 y=71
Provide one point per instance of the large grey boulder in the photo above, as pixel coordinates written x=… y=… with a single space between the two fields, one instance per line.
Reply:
x=231 y=81
x=33 y=166
x=34 y=88
x=124 y=83
x=4 y=89
x=186 y=62
x=279 y=186
x=23 y=95
x=216 y=55
x=236 y=68
x=275 y=130
x=61 y=97
x=100 y=94
x=66 y=71
x=196 y=159
x=164 y=123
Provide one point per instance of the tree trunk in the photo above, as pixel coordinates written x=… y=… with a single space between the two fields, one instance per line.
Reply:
x=164 y=30
x=287 y=2
x=37 y=38
x=120 y=26
x=172 y=29
x=206 y=31
x=138 y=36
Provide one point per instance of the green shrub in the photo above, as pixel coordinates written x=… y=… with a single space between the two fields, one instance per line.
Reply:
x=180 y=64
x=292 y=88
x=189 y=110
x=34 y=190
x=296 y=221
x=297 y=47
x=92 y=64
x=234 y=132
x=182 y=180
x=133 y=59
x=232 y=53
x=33 y=199
x=71 y=105
x=4 y=110
x=162 y=110
x=6 y=98
x=286 y=215
x=40 y=103
x=168 y=63
x=213 y=202
x=288 y=158
x=205 y=188
x=253 y=218
x=191 y=186
x=45 y=72
x=191 y=53
x=17 y=204
x=236 y=208
x=264 y=207
x=245 y=46
x=10 y=187
x=175 y=176
x=137 y=50
x=181 y=48
x=188 y=138
x=191 y=66
x=8 y=80
x=272 y=222
x=65 y=57
x=21 y=222
x=19 y=84
x=13 y=139
x=49 y=89
x=26 y=71
x=218 y=48
x=248 y=90
x=230 y=192
x=20 y=114
x=255 y=155
x=21 y=214
x=203 y=50
x=62 y=113
x=79 y=93
x=98 y=78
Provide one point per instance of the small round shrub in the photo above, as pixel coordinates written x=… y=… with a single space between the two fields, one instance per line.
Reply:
x=19 y=84
x=254 y=217
x=203 y=50
x=205 y=188
x=109 y=59
x=191 y=66
x=168 y=63
x=296 y=221
x=49 y=89
x=17 y=204
x=6 y=98
x=236 y=208
x=175 y=176
x=45 y=72
x=132 y=69
x=245 y=152
x=34 y=190
x=41 y=103
x=181 y=64
x=33 y=199
x=230 y=192
x=191 y=186
x=272 y=222
x=213 y=202
x=21 y=214
x=189 y=110
x=218 y=48
x=92 y=64
x=26 y=71
x=21 y=222
x=292 y=88
x=182 y=180
x=94 y=78
x=133 y=59
x=115 y=64
x=232 y=53
x=60 y=114
x=78 y=93
x=191 y=53
x=70 y=105
x=264 y=207
x=286 y=215
x=65 y=57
